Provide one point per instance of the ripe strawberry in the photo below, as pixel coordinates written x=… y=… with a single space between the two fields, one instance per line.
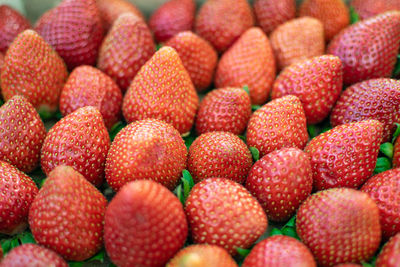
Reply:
x=368 y=49
x=296 y=40
x=345 y=156
x=172 y=17
x=126 y=47
x=221 y=22
x=272 y=13
x=370 y=8
x=79 y=140
x=33 y=69
x=198 y=57
x=110 y=10
x=249 y=61
x=279 y=123
x=88 y=86
x=377 y=99
x=281 y=181
x=223 y=213
x=162 y=89
x=225 y=109
x=11 y=24
x=390 y=254
x=280 y=250
x=146 y=149
x=75 y=31
x=219 y=154
x=32 y=255
x=22 y=134
x=339 y=225
x=145 y=225
x=396 y=154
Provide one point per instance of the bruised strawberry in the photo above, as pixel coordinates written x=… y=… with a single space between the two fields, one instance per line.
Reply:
x=390 y=254
x=126 y=47
x=223 y=213
x=339 y=225
x=198 y=57
x=145 y=225
x=162 y=89
x=249 y=61
x=110 y=10
x=370 y=8
x=316 y=81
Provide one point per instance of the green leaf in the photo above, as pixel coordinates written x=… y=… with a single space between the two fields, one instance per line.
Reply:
x=290 y=231
x=256 y=154
x=98 y=257
x=387 y=149
x=116 y=128
x=291 y=222
x=275 y=231
x=14 y=243
x=354 y=17
x=242 y=137
x=312 y=130
x=382 y=164
x=396 y=133
x=187 y=176
x=6 y=245
x=396 y=70
x=255 y=107
x=46 y=115
x=179 y=194
x=27 y=238
x=366 y=264
x=158 y=46
x=246 y=88
x=189 y=139
x=76 y=263
x=243 y=252
x=1 y=102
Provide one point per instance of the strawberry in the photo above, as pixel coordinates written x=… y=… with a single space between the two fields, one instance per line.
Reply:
x=249 y=61
x=339 y=225
x=368 y=49
x=219 y=154
x=370 y=8
x=345 y=156
x=377 y=99
x=333 y=14
x=33 y=69
x=162 y=89
x=126 y=47
x=317 y=82
x=110 y=10
x=146 y=149
x=281 y=181
x=296 y=40
x=22 y=134
x=272 y=13
x=223 y=213
x=225 y=109
x=221 y=22
x=88 y=86
x=17 y=191
x=279 y=250
x=145 y=225
x=11 y=24
x=279 y=123
x=79 y=140
x=396 y=154
x=390 y=254
x=75 y=31
x=198 y=57
x=172 y=17
x=32 y=255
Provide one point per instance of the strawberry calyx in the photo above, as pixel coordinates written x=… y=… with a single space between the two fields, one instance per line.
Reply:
x=255 y=153
x=384 y=162
x=183 y=190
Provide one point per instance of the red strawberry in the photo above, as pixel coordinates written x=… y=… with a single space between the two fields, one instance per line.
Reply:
x=225 y=109
x=75 y=31
x=281 y=181
x=221 y=22
x=339 y=225
x=370 y=8
x=345 y=156
x=377 y=99
x=88 y=86
x=396 y=154
x=272 y=13
x=110 y=10
x=67 y=215
x=34 y=256
x=11 y=24
x=79 y=140
x=146 y=149
x=17 y=191
x=223 y=213
x=390 y=254
x=198 y=57
x=250 y=62
x=279 y=123
x=145 y=225
x=33 y=69
x=219 y=154
x=127 y=46
x=280 y=250
x=368 y=49
x=22 y=134
x=172 y=17
x=296 y=40
x=162 y=89
x=316 y=81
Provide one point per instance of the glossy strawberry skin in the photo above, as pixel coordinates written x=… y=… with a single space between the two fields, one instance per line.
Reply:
x=145 y=225
x=88 y=86
x=390 y=254
x=368 y=49
x=110 y=10
x=351 y=232
x=370 y=8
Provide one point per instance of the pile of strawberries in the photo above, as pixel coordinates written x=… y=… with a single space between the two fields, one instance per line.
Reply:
x=146 y=164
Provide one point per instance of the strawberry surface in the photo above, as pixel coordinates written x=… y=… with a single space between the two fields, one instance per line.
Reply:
x=110 y=10
x=390 y=254
x=370 y=8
